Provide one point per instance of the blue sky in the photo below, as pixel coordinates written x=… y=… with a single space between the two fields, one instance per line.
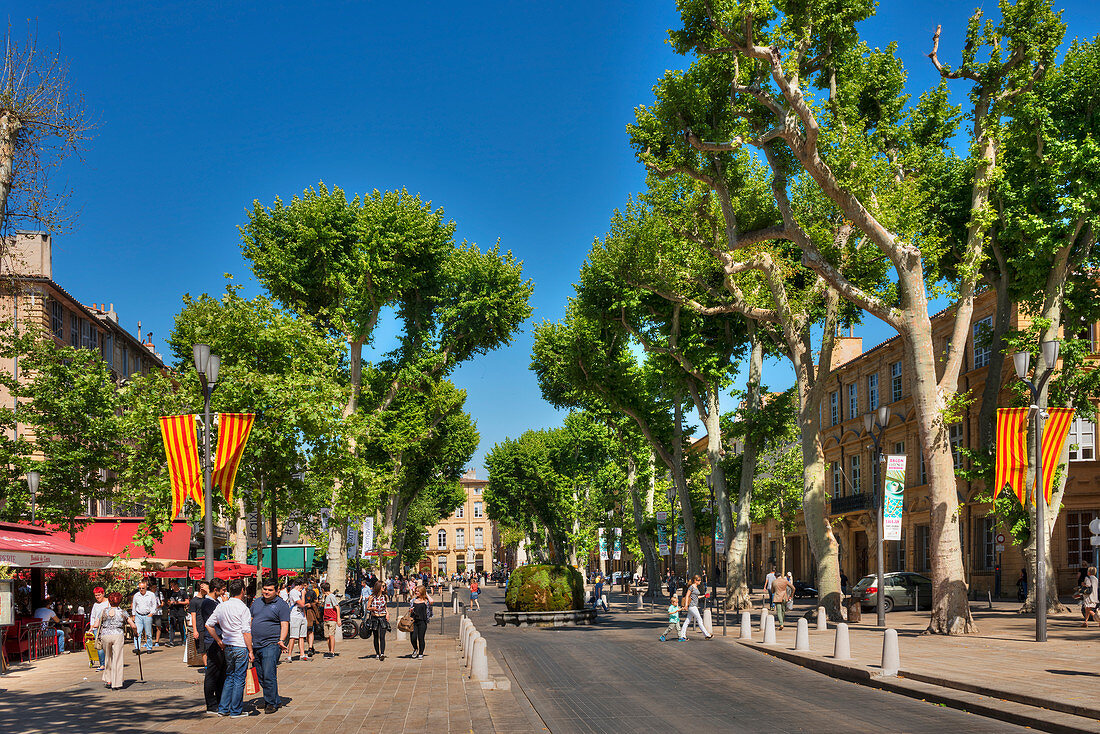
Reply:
x=510 y=115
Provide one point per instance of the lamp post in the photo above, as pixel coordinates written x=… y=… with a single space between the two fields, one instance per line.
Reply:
x=874 y=424
x=714 y=541
x=1022 y=362
x=207 y=364
x=32 y=485
x=671 y=495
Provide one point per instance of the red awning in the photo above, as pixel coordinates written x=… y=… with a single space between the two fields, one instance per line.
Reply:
x=115 y=536
x=26 y=546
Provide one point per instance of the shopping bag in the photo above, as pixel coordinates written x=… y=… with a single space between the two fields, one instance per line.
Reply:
x=251 y=682
x=194 y=657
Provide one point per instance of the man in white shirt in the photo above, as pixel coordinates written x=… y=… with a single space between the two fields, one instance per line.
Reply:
x=143 y=608
x=101 y=605
x=299 y=629
x=47 y=614
x=768 y=585
x=234 y=620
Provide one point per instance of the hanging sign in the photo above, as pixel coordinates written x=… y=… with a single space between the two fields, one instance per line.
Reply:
x=603 y=544
x=617 y=554
x=893 y=497
x=662 y=540
x=680 y=540
x=720 y=541
x=368 y=535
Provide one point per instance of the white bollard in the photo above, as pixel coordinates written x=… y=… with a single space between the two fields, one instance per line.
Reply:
x=763 y=617
x=802 y=635
x=462 y=630
x=605 y=604
x=746 y=625
x=891 y=655
x=769 y=630
x=822 y=620
x=473 y=644
x=471 y=633
x=641 y=603
x=479 y=665
x=706 y=622
x=454 y=603
x=842 y=649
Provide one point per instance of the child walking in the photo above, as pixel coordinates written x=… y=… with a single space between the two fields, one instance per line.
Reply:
x=673 y=620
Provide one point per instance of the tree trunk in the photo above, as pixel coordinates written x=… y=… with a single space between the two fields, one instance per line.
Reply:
x=687 y=514
x=991 y=392
x=737 y=544
x=10 y=125
x=338 y=527
x=521 y=552
x=950 y=605
x=645 y=537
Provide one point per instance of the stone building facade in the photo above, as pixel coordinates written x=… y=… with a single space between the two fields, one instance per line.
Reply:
x=465 y=540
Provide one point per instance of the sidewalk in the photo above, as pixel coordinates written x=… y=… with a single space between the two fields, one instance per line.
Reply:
x=1002 y=662
x=350 y=693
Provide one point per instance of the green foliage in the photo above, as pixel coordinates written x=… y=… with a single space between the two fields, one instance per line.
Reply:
x=544 y=588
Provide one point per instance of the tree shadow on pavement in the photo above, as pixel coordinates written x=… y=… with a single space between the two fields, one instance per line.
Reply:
x=80 y=710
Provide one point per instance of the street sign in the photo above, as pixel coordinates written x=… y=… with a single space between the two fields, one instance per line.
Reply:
x=1000 y=549
x=662 y=516
x=1001 y=538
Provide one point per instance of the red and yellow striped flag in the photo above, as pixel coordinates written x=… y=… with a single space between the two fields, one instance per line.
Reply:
x=1054 y=440
x=1011 y=451
x=233 y=430
x=181 y=447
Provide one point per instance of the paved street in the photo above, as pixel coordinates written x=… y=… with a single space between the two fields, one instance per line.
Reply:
x=616 y=677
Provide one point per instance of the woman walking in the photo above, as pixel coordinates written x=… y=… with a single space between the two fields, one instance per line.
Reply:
x=692 y=604
x=378 y=621
x=474 y=591
x=110 y=624
x=421 y=610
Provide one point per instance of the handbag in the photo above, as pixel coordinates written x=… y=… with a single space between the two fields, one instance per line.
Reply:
x=405 y=624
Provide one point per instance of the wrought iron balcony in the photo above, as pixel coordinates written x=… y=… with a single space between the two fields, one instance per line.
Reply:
x=851 y=503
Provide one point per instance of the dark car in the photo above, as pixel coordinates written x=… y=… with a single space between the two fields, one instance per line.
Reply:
x=803 y=590
x=902 y=588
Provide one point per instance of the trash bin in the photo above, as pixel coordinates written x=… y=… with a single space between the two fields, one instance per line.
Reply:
x=855 y=610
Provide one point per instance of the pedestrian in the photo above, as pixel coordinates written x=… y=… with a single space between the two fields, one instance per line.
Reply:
x=214 y=674
x=844 y=582
x=780 y=591
x=378 y=619
x=177 y=612
x=100 y=606
x=143 y=607
x=312 y=596
x=160 y=617
x=670 y=583
x=270 y=628
x=768 y=586
x=1021 y=586
x=231 y=627
x=330 y=614
x=474 y=591
x=673 y=620
x=1090 y=597
x=692 y=606
x=109 y=626
x=46 y=614
x=298 y=624
x=421 y=610
x=198 y=618
x=599 y=586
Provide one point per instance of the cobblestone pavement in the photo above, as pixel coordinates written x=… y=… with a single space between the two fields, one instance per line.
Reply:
x=617 y=677
x=344 y=695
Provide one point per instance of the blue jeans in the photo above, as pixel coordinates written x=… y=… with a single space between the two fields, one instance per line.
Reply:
x=144 y=624
x=267 y=657
x=236 y=662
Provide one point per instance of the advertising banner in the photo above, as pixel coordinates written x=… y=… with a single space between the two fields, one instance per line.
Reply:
x=617 y=554
x=720 y=541
x=603 y=544
x=662 y=540
x=353 y=541
x=680 y=540
x=894 y=497
x=368 y=535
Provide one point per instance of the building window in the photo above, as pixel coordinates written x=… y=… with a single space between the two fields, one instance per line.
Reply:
x=872 y=392
x=460 y=538
x=441 y=539
x=125 y=361
x=853 y=463
x=834 y=407
x=479 y=538
x=57 y=319
x=955 y=435
x=1088 y=336
x=899 y=447
x=74 y=330
x=425 y=539
x=461 y=511
x=93 y=341
x=107 y=350
x=985 y=536
x=924 y=547
x=983 y=332
x=86 y=333
x=1077 y=537
x=895 y=382
x=853 y=401
x=1082 y=440
x=923 y=470
x=901 y=552
x=477 y=489
x=477 y=510
x=442 y=565
x=837 y=480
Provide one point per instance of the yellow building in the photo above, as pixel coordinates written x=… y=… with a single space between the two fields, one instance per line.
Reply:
x=465 y=539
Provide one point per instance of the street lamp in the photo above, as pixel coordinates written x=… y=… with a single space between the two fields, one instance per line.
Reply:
x=671 y=495
x=207 y=364
x=1022 y=362
x=714 y=541
x=874 y=424
x=32 y=484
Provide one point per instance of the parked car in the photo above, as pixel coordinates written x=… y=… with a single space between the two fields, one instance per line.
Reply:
x=901 y=589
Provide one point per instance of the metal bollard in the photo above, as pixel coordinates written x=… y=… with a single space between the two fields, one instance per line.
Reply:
x=723 y=621
x=891 y=655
